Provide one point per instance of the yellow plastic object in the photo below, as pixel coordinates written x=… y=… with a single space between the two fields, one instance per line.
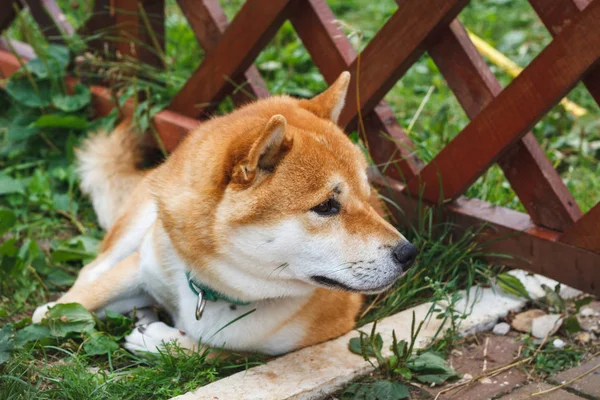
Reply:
x=513 y=69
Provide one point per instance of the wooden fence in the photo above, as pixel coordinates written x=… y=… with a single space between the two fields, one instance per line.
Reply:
x=554 y=238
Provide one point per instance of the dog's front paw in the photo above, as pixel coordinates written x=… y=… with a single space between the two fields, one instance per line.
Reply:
x=151 y=338
x=40 y=313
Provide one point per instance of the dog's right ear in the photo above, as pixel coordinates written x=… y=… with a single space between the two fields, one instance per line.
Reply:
x=270 y=147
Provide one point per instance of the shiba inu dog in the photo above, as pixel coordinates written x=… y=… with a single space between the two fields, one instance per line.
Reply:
x=263 y=213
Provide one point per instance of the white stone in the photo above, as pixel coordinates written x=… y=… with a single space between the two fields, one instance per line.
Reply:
x=587 y=312
x=533 y=285
x=501 y=329
x=546 y=325
x=558 y=343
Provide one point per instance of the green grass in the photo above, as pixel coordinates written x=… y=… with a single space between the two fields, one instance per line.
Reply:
x=49 y=231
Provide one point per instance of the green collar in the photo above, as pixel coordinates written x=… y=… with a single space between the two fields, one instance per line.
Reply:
x=209 y=294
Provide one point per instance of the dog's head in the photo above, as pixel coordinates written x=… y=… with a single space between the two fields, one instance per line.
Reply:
x=276 y=192
x=296 y=205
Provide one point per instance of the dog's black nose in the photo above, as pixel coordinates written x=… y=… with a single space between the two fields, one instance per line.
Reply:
x=405 y=254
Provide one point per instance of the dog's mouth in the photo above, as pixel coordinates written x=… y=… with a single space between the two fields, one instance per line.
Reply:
x=333 y=284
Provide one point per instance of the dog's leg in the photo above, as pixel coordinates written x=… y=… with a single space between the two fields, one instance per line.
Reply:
x=120 y=283
x=152 y=338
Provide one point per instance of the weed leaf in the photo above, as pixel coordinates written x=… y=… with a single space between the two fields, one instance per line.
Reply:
x=22 y=91
x=32 y=333
x=8 y=219
x=9 y=185
x=61 y=121
x=572 y=324
x=81 y=98
x=98 y=343
x=380 y=390
x=6 y=342
x=66 y=318
x=52 y=65
x=512 y=285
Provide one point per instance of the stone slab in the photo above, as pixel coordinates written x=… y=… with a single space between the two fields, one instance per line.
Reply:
x=525 y=393
x=589 y=385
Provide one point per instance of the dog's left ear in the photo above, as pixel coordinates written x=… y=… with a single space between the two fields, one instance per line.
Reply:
x=329 y=104
x=272 y=144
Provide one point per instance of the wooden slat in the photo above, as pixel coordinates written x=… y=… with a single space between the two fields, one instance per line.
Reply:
x=513 y=113
x=171 y=127
x=9 y=64
x=154 y=37
x=8 y=13
x=586 y=232
x=558 y=14
x=333 y=53
x=533 y=178
x=254 y=25
x=51 y=20
x=397 y=45
x=509 y=233
x=209 y=22
x=103 y=17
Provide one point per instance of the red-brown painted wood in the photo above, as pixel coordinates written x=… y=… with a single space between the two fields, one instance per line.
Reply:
x=552 y=74
x=397 y=45
x=171 y=127
x=209 y=22
x=252 y=28
x=586 y=232
x=100 y=26
x=51 y=20
x=533 y=178
x=511 y=233
x=9 y=64
x=8 y=14
x=333 y=53
x=556 y=15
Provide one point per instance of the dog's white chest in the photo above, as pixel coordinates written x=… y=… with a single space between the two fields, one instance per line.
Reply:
x=266 y=326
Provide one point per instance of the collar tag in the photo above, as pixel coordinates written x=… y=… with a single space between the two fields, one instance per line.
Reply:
x=201 y=300
x=200 y=305
x=205 y=293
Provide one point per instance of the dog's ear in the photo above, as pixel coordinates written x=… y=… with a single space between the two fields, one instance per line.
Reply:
x=329 y=104
x=272 y=144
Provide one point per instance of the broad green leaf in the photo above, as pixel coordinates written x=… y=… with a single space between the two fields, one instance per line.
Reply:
x=10 y=185
x=404 y=373
x=6 y=342
x=438 y=379
x=61 y=278
x=512 y=285
x=572 y=324
x=582 y=302
x=87 y=243
x=430 y=362
x=32 y=333
x=117 y=325
x=362 y=345
x=62 y=202
x=81 y=98
x=66 y=318
x=380 y=390
x=20 y=127
x=8 y=219
x=51 y=64
x=97 y=343
x=61 y=121
x=22 y=91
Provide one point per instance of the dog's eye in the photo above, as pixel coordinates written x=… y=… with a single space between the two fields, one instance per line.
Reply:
x=328 y=207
